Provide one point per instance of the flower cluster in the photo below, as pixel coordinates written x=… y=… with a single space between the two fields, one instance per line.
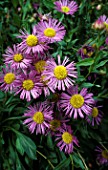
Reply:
x=31 y=71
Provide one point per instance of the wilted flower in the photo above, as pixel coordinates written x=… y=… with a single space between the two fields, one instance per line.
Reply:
x=66 y=139
x=66 y=6
x=74 y=103
x=51 y=30
x=60 y=76
x=38 y=118
x=102 y=156
x=86 y=51
x=100 y=23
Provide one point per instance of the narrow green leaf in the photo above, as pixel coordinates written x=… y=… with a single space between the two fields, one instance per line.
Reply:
x=65 y=163
x=102 y=63
x=85 y=62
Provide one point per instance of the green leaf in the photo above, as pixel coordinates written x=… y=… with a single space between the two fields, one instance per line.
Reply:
x=19 y=146
x=78 y=161
x=102 y=63
x=87 y=85
x=85 y=62
x=27 y=144
x=48 y=4
x=65 y=163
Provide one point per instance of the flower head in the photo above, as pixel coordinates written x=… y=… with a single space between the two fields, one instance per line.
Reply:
x=60 y=75
x=67 y=7
x=8 y=77
x=95 y=117
x=39 y=117
x=74 y=103
x=66 y=139
x=102 y=156
x=86 y=51
x=32 y=43
x=101 y=23
x=15 y=58
x=106 y=41
x=51 y=30
x=28 y=85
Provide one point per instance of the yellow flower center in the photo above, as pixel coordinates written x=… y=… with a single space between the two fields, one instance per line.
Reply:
x=54 y=124
x=67 y=137
x=38 y=117
x=43 y=81
x=60 y=72
x=65 y=9
x=77 y=101
x=84 y=51
x=95 y=112
x=28 y=84
x=90 y=54
x=49 y=32
x=31 y=40
x=39 y=66
x=105 y=154
x=9 y=78
x=106 y=25
x=18 y=57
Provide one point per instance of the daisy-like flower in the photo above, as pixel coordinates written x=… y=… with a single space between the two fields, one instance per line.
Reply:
x=28 y=85
x=39 y=63
x=66 y=140
x=86 y=51
x=8 y=77
x=101 y=23
x=60 y=76
x=39 y=117
x=51 y=30
x=66 y=6
x=95 y=117
x=16 y=58
x=32 y=43
x=102 y=156
x=74 y=103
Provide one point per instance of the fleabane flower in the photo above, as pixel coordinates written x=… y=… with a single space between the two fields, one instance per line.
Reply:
x=28 y=85
x=60 y=75
x=102 y=155
x=8 y=77
x=66 y=140
x=38 y=118
x=15 y=58
x=101 y=23
x=39 y=63
x=66 y=6
x=74 y=103
x=95 y=117
x=31 y=43
x=51 y=30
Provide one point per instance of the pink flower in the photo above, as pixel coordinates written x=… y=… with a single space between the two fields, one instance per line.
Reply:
x=66 y=6
x=8 y=77
x=51 y=30
x=95 y=117
x=74 y=103
x=39 y=117
x=106 y=41
x=101 y=22
x=16 y=58
x=28 y=85
x=102 y=156
x=66 y=140
x=60 y=75
x=32 y=43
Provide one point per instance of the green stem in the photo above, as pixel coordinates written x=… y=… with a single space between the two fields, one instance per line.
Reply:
x=46 y=159
x=72 y=162
x=86 y=168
